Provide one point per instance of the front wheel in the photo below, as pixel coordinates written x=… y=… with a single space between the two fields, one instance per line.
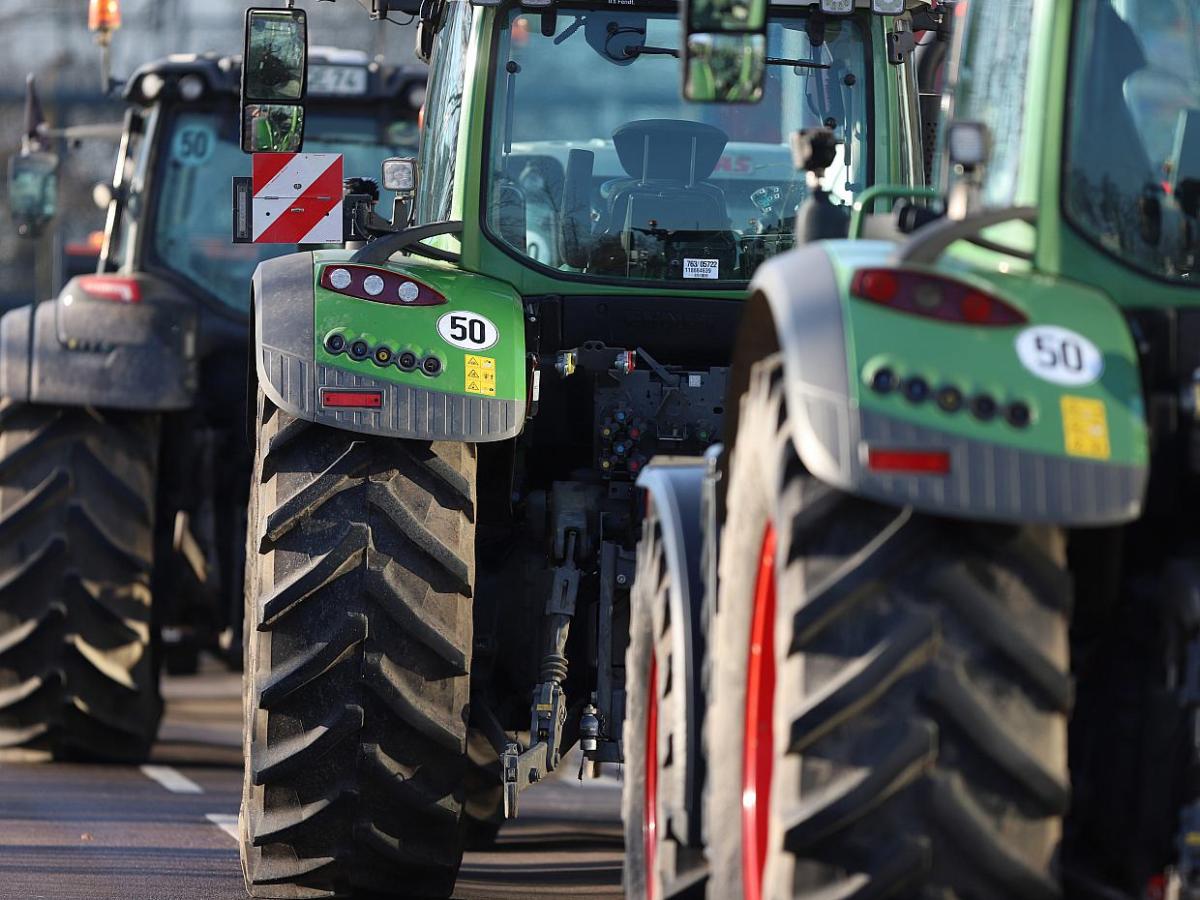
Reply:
x=903 y=684
x=359 y=590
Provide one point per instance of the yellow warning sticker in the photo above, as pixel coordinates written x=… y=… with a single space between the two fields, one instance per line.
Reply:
x=1085 y=427
x=481 y=375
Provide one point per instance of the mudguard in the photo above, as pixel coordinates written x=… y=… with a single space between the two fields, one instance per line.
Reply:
x=111 y=341
x=676 y=488
x=1081 y=458
x=305 y=330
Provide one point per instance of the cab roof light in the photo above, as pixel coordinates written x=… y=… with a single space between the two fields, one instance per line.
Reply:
x=111 y=287
x=104 y=16
x=908 y=462
x=933 y=297
x=335 y=399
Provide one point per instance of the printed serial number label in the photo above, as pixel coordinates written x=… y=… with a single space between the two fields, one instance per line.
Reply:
x=1085 y=427
x=701 y=268
x=481 y=375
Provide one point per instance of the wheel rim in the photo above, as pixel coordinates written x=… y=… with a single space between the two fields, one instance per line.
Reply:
x=650 y=808
x=758 y=747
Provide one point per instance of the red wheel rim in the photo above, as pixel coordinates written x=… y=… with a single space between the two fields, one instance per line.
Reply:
x=758 y=747
x=650 y=809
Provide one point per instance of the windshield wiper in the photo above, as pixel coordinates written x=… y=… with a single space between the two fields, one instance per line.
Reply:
x=770 y=60
x=796 y=63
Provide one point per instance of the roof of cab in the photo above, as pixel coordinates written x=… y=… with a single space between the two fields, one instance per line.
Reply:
x=222 y=75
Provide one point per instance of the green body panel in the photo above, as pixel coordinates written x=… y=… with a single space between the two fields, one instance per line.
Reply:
x=415 y=328
x=984 y=359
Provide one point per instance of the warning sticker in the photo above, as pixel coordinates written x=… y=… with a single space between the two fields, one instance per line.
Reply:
x=1085 y=427
x=481 y=375
x=701 y=268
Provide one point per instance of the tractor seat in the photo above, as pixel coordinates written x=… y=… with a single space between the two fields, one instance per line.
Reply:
x=666 y=162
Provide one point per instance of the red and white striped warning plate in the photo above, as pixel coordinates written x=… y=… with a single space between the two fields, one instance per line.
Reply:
x=297 y=198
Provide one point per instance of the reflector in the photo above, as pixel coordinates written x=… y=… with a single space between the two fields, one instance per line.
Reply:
x=913 y=462
x=351 y=399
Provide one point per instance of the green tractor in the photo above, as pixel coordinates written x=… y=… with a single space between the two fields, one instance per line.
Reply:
x=450 y=420
x=123 y=460
x=948 y=560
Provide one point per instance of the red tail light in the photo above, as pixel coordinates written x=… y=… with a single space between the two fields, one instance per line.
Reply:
x=378 y=286
x=111 y=287
x=933 y=297
x=909 y=462
x=351 y=399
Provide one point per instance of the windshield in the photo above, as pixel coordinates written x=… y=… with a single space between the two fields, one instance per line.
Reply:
x=598 y=167
x=1132 y=183
x=193 y=216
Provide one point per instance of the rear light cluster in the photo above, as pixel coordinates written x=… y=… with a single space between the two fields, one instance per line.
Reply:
x=111 y=287
x=378 y=286
x=360 y=350
x=949 y=399
x=933 y=297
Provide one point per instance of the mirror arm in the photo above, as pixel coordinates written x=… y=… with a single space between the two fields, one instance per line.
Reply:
x=929 y=243
x=382 y=249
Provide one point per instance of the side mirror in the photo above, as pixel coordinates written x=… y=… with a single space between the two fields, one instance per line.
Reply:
x=33 y=191
x=725 y=50
x=724 y=68
x=274 y=80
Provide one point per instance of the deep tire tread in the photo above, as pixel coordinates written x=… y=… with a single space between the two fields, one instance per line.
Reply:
x=361 y=564
x=77 y=504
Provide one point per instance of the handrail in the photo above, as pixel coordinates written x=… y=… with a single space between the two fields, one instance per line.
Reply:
x=381 y=249
x=882 y=192
x=927 y=244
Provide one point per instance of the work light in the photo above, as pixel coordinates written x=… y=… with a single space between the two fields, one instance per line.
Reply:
x=887 y=7
x=837 y=7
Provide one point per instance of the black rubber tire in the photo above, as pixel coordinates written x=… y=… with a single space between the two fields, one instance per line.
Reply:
x=922 y=691
x=360 y=573
x=483 y=795
x=650 y=631
x=78 y=667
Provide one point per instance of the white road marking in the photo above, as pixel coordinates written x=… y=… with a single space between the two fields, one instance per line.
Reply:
x=175 y=782
x=226 y=822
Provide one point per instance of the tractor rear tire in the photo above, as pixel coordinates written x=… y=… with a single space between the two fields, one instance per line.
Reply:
x=78 y=667
x=360 y=575
x=483 y=800
x=658 y=864
x=915 y=725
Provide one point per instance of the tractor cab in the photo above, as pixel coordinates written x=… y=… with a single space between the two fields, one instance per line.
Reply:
x=169 y=211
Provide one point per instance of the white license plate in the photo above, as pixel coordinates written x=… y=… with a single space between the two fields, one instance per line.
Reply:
x=341 y=80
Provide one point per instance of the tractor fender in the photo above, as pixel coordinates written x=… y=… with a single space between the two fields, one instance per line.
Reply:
x=676 y=486
x=110 y=341
x=285 y=308
x=797 y=306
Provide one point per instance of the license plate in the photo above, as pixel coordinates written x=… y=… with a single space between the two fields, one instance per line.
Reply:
x=340 y=80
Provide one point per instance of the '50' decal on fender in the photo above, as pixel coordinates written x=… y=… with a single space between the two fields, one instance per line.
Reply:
x=468 y=330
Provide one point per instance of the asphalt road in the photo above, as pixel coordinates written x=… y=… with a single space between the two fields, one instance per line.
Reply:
x=164 y=831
